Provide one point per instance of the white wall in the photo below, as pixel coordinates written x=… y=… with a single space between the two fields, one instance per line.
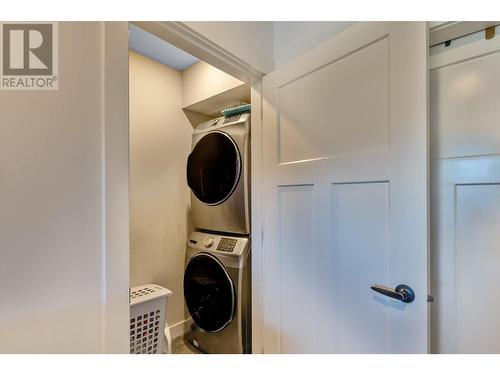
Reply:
x=252 y=42
x=160 y=142
x=266 y=45
x=202 y=81
x=54 y=280
x=149 y=45
x=291 y=39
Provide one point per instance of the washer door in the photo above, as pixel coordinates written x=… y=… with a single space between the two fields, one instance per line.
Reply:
x=213 y=168
x=209 y=292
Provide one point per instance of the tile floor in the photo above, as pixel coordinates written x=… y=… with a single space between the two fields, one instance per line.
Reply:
x=179 y=346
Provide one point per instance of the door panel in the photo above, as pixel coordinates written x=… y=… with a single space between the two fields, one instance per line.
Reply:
x=360 y=218
x=345 y=194
x=338 y=126
x=465 y=150
x=296 y=207
x=478 y=259
x=467 y=96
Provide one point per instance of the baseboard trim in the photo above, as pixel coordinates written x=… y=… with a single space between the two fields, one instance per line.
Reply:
x=179 y=328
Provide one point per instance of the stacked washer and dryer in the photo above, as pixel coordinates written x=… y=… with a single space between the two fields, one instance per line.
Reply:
x=217 y=278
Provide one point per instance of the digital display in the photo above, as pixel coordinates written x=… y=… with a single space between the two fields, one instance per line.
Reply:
x=227 y=244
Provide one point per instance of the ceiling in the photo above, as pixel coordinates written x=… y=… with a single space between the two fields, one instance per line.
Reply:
x=151 y=46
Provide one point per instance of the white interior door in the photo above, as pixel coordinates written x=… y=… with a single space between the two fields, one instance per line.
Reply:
x=465 y=118
x=345 y=194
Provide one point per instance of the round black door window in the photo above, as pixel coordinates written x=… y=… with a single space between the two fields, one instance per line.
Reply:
x=209 y=293
x=213 y=168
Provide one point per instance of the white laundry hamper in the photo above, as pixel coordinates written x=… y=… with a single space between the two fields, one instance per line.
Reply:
x=148 y=310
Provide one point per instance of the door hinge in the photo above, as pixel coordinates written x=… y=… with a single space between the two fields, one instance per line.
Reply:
x=430 y=298
x=489 y=32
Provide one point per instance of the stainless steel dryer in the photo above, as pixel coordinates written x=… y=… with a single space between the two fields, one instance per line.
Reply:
x=218 y=174
x=217 y=292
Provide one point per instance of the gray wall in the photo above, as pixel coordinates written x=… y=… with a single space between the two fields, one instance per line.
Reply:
x=55 y=284
x=160 y=142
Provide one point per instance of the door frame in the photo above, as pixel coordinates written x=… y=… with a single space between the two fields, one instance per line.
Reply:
x=185 y=38
x=115 y=310
x=192 y=42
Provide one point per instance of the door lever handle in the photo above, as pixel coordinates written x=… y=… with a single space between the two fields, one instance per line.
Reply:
x=402 y=292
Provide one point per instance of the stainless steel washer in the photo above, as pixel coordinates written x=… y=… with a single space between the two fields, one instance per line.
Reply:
x=217 y=292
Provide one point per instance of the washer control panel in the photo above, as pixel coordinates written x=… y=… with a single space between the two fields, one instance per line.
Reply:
x=217 y=243
x=208 y=242
x=227 y=244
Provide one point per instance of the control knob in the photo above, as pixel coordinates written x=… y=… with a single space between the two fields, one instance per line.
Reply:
x=208 y=242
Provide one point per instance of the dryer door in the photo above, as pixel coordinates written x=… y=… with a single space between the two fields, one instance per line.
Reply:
x=213 y=168
x=209 y=292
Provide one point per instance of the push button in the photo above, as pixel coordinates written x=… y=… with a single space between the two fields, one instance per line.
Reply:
x=227 y=244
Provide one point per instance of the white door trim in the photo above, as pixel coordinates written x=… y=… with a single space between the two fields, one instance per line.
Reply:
x=463 y=53
x=257 y=209
x=440 y=32
x=115 y=261
x=187 y=39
